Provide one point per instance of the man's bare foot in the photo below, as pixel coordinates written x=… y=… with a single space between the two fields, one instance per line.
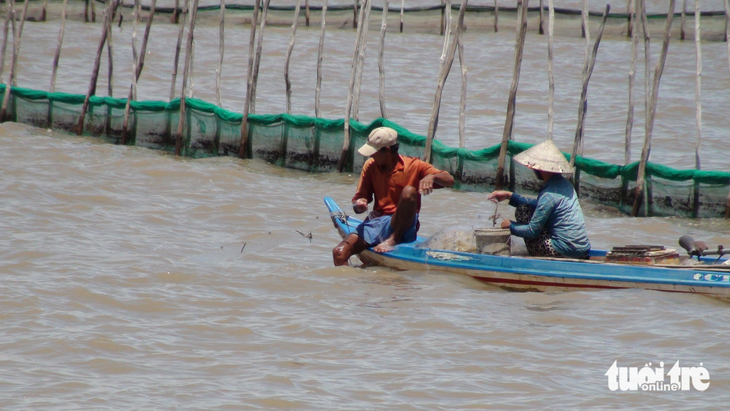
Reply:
x=385 y=246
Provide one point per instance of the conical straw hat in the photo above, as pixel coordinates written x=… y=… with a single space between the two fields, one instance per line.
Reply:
x=546 y=157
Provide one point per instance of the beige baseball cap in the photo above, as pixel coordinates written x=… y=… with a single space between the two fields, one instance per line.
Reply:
x=379 y=138
x=546 y=157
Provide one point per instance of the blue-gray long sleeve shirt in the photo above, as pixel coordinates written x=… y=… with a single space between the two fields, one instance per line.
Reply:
x=557 y=209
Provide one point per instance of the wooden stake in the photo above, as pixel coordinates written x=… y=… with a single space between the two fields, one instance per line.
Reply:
x=580 y=130
x=320 y=57
x=446 y=30
x=585 y=33
x=43 y=12
x=221 y=44
x=177 y=49
x=306 y=12
x=257 y=57
x=9 y=16
x=402 y=4
x=93 y=11
x=355 y=17
x=12 y=79
x=58 y=48
x=551 y=78
x=110 y=78
x=242 y=150
x=509 y=120
x=540 y=30
x=640 y=191
x=681 y=27
x=445 y=69
x=496 y=16
x=698 y=108
x=631 y=11
x=632 y=83
x=175 y=17
x=188 y=59
x=365 y=22
x=587 y=73
x=381 y=60
x=137 y=70
x=79 y=129
x=350 y=92
x=462 y=102
x=289 y=50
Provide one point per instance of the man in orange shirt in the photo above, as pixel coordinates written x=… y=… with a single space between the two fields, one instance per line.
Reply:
x=397 y=183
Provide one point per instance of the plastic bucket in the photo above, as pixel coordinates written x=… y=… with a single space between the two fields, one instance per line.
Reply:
x=494 y=241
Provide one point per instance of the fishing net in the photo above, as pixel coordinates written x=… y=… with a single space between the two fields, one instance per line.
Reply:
x=315 y=145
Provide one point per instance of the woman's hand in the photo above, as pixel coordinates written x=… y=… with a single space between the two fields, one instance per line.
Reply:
x=499 y=195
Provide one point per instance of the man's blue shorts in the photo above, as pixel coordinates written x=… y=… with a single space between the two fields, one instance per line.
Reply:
x=377 y=230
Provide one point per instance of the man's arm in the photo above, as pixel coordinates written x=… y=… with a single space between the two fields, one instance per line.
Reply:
x=364 y=193
x=432 y=181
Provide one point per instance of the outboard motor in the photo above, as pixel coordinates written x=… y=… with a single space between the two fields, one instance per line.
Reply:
x=694 y=248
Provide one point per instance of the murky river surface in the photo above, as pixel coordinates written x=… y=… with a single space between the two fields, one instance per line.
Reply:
x=132 y=279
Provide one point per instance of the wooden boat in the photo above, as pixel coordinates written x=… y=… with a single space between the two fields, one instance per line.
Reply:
x=708 y=276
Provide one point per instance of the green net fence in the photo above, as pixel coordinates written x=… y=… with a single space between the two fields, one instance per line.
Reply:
x=315 y=145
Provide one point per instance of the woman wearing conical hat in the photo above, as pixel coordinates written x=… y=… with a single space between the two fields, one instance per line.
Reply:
x=551 y=224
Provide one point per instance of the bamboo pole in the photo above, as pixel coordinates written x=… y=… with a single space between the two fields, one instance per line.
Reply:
x=654 y=97
x=257 y=57
x=221 y=44
x=137 y=71
x=175 y=19
x=381 y=59
x=57 y=57
x=176 y=61
x=585 y=33
x=446 y=29
x=402 y=4
x=443 y=75
x=86 y=11
x=647 y=64
x=583 y=108
x=350 y=92
x=632 y=84
x=93 y=11
x=43 y=12
x=306 y=12
x=79 y=128
x=355 y=16
x=12 y=79
x=542 y=19
x=188 y=59
x=551 y=78
x=631 y=11
x=496 y=16
x=443 y=13
x=681 y=27
x=289 y=50
x=509 y=120
x=191 y=75
x=242 y=150
x=367 y=4
x=462 y=102
x=727 y=39
x=320 y=57
x=5 y=37
x=698 y=107
x=110 y=78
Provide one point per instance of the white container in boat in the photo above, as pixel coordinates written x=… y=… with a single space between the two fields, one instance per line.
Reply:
x=494 y=241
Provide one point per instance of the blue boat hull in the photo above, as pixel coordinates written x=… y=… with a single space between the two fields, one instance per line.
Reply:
x=545 y=274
